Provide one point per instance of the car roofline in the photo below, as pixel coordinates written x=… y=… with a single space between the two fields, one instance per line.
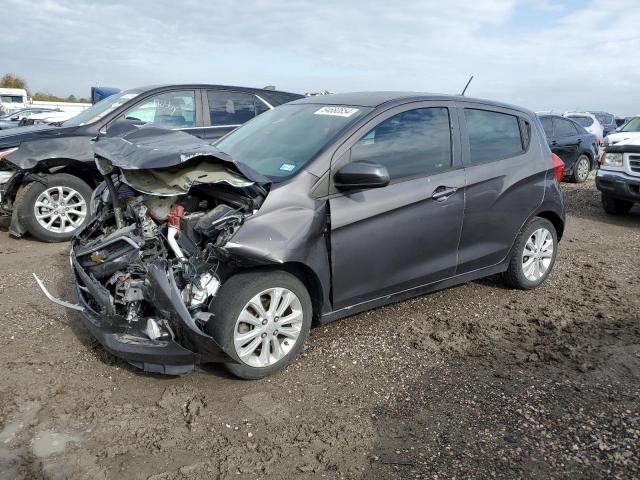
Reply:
x=177 y=86
x=399 y=98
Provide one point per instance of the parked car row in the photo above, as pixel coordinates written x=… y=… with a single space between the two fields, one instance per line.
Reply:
x=309 y=212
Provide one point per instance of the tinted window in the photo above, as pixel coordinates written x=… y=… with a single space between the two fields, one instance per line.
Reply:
x=547 y=124
x=233 y=108
x=492 y=135
x=565 y=128
x=261 y=107
x=605 y=118
x=167 y=110
x=11 y=99
x=410 y=143
x=584 y=121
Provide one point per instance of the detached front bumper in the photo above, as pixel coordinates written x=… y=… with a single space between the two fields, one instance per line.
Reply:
x=172 y=355
x=619 y=185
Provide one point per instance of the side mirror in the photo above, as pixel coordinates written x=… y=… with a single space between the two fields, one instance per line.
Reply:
x=358 y=175
x=15 y=119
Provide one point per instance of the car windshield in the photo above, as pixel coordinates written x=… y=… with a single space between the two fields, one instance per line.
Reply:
x=632 y=125
x=605 y=118
x=280 y=142
x=100 y=109
x=584 y=121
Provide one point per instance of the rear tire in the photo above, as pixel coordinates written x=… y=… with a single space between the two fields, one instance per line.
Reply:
x=533 y=256
x=615 y=206
x=581 y=169
x=232 y=305
x=36 y=197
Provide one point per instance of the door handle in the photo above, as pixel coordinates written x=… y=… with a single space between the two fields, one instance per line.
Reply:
x=442 y=193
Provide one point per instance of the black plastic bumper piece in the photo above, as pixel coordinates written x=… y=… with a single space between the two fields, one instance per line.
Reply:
x=618 y=185
x=163 y=368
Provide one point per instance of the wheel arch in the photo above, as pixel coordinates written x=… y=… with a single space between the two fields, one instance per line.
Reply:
x=591 y=157
x=555 y=220
x=71 y=167
x=305 y=274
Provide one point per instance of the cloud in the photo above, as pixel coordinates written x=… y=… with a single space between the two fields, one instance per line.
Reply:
x=543 y=55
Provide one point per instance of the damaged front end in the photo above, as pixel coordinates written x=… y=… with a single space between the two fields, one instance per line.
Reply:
x=148 y=266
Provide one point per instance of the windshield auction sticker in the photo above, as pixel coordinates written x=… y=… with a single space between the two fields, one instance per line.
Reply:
x=336 y=111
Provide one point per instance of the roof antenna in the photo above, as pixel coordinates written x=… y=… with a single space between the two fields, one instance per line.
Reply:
x=466 y=86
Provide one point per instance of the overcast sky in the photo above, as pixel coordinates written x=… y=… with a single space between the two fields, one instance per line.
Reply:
x=544 y=55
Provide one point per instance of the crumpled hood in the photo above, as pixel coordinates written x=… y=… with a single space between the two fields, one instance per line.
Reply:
x=15 y=136
x=151 y=148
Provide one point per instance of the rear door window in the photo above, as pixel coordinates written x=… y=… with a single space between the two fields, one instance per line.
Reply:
x=412 y=143
x=230 y=109
x=492 y=135
x=565 y=128
x=173 y=110
x=547 y=124
x=584 y=121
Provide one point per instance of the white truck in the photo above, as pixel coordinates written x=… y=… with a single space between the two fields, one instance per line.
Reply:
x=12 y=99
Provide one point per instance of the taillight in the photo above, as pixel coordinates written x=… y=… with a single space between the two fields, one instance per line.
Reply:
x=558 y=167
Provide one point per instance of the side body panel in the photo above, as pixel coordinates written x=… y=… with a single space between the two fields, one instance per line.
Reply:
x=393 y=238
x=290 y=228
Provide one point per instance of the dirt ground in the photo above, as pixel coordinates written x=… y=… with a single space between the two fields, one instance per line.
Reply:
x=475 y=381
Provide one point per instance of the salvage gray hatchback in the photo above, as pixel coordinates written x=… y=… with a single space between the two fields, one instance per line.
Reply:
x=313 y=211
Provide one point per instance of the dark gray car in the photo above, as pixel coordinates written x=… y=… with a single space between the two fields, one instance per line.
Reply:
x=313 y=211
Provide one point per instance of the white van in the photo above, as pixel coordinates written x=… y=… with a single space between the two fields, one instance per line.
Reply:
x=12 y=99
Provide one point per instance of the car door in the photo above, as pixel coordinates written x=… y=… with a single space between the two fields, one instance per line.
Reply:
x=566 y=142
x=385 y=240
x=504 y=182
x=226 y=110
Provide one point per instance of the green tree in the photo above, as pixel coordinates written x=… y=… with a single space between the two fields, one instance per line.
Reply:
x=9 y=80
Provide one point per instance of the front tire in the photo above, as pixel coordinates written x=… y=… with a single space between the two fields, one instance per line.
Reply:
x=533 y=256
x=615 y=206
x=261 y=319
x=54 y=210
x=581 y=169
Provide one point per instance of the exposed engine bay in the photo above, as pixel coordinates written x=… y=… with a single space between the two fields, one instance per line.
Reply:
x=141 y=244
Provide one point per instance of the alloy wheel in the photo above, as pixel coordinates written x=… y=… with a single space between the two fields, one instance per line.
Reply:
x=268 y=327
x=582 y=169
x=60 y=209
x=537 y=254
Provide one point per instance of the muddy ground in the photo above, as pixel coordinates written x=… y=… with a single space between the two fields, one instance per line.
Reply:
x=476 y=381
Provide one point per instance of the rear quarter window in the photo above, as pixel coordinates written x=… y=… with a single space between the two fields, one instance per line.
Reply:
x=493 y=135
x=584 y=121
